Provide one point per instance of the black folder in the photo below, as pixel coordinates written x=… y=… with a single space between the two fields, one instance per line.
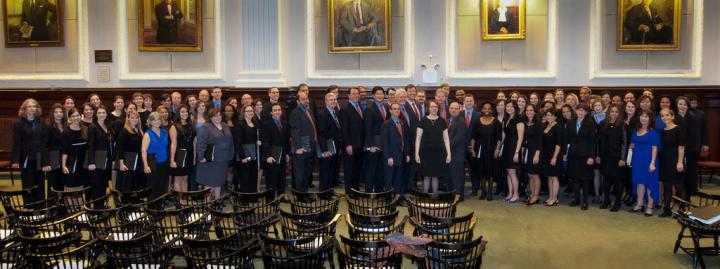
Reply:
x=54 y=159
x=304 y=144
x=181 y=158
x=250 y=150
x=330 y=144
x=210 y=153
x=131 y=160
x=277 y=153
x=101 y=157
x=152 y=162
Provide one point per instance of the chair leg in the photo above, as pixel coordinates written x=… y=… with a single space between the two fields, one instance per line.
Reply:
x=679 y=239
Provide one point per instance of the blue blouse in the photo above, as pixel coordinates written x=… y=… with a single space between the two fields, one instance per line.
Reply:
x=158 y=145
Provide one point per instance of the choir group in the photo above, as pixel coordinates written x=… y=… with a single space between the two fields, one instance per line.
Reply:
x=638 y=151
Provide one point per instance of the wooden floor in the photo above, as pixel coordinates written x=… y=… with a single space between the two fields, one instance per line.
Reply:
x=562 y=237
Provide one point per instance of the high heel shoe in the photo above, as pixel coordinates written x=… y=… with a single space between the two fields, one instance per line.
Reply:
x=552 y=204
x=649 y=212
x=512 y=202
x=637 y=209
x=532 y=203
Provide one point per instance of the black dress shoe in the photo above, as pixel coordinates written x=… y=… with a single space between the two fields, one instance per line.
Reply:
x=574 y=203
x=665 y=214
x=473 y=193
x=605 y=205
x=489 y=197
x=615 y=207
x=584 y=206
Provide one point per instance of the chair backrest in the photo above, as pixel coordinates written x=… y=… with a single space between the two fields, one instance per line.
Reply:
x=121 y=223
x=297 y=195
x=705 y=199
x=228 y=224
x=372 y=228
x=366 y=254
x=372 y=203
x=173 y=224
x=437 y=197
x=311 y=206
x=218 y=253
x=72 y=201
x=319 y=218
x=143 y=251
x=259 y=213
x=14 y=201
x=293 y=226
x=138 y=198
x=437 y=209
x=12 y=255
x=457 y=229
x=246 y=200
x=303 y=253
x=77 y=255
x=454 y=255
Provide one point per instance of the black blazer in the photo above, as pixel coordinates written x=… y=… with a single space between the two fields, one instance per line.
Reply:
x=373 y=123
x=353 y=126
x=29 y=138
x=458 y=133
x=99 y=140
x=474 y=121
x=300 y=126
x=243 y=134
x=583 y=143
x=128 y=142
x=612 y=141
x=394 y=145
x=328 y=129
x=273 y=137
x=693 y=131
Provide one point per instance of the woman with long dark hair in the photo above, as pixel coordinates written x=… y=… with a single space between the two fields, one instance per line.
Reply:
x=100 y=153
x=689 y=121
x=182 y=148
x=671 y=160
x=550 y=159
x=247 y=143
x=499 y=172
x=645 y=143
x=55 y=139
x=612 y=141
x=531 y=156
x=73 y=154
x=513 y=135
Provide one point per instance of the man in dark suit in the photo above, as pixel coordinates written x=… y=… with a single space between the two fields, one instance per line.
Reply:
x=458 y=133
x=274 y=98
x=420 y=98
x=353 y=132
x=396 y=151
x=645 y=25
x=216 y=101
x=502 y=21
x=37 y=14
x=304 y=137
x=329 y=127
x=275 y=135
x=375 y=115
x=411 y=116
x=471 y=119
x=358 y=24
x=168 y=16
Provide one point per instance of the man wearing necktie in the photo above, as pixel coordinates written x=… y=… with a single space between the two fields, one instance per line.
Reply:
x=358 y=25
x=330 y=143
x=420 y=102
x=304 y=137
x=37 y=14
x=374 y=117
x=216 y=97
x=645 y=25
x=168 y=16
x=472 y=118
x=395 y=144
x=353 y=133
x=410 y=113
x=275 y=136
x=457 y=132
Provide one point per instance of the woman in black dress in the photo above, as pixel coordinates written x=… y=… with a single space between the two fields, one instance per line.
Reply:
x=498 y=171
x=432 y=148
x=100 y=149
x=567 y=114
x=117 y=116
x=484 y=146
x=73 y=154
x=613 y=144
x=88 y=115
x=582 y=143
x=531 y=155
x=551 y=162
x=671 y=159
x=56 y=128
x=513 y=135
x=247 y=143
x=631 y=119
x=130 y=177
x=28 y=146
x=182 y=148
x=691 y=123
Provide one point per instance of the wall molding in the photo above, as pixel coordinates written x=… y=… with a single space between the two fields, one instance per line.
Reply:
x=83 y=71
x=596 y=40
x=311 y=71
x=451 y=49
x=122 y=47
x=267 y=77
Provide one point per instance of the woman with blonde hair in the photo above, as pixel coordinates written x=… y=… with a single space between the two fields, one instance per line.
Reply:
x=129 y=163
x=154 y=150
x=28 y=146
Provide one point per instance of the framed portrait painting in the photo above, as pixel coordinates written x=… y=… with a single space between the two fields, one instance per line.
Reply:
x=503 y=19
x=649 y=24
x=170 y=25
x=359 y=26
x=33 y=23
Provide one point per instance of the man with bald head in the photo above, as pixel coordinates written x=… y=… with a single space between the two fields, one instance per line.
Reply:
x=246 y=100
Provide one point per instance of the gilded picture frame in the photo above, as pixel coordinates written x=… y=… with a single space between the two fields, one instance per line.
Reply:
x=359 y=26
x=639 y=30
x=38 y=23
x=180 y=27
x=503 y=19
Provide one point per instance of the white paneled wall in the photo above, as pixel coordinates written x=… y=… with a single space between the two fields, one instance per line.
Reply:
x=258 y=43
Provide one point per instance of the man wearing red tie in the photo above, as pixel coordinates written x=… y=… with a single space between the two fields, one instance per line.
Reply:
x=471 y=119
x=353 y=133
x=396 y=150
x=304 y=137
x=374 y=116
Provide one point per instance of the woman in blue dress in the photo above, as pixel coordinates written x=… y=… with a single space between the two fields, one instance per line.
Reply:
x=645 y=143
